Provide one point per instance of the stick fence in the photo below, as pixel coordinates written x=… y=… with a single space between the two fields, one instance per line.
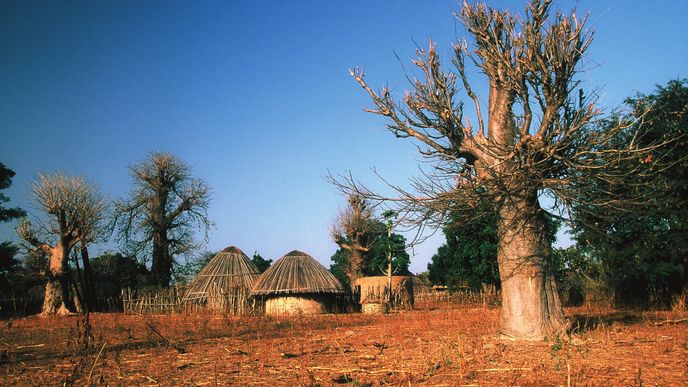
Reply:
x=235 y=302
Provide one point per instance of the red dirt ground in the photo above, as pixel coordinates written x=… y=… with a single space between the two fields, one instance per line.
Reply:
x=440 y=344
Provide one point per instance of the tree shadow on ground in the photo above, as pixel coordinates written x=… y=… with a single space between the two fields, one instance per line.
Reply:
x=586 y=322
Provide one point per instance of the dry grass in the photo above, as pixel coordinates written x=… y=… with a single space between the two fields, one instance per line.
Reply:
x=436 y=344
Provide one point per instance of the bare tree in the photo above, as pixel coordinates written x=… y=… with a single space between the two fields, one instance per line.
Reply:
x=352 y=231
x=534 y=139
x=162 y=212
x=75 y=212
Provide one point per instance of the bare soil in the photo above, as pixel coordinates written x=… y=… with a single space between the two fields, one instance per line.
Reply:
x=436 y=344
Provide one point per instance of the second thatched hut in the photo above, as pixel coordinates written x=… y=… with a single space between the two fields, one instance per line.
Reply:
x=224 y=284
x=297 y=284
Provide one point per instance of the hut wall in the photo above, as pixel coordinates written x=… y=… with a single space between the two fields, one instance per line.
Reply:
x=296 y=305
x=374 y=290
x=374 y=308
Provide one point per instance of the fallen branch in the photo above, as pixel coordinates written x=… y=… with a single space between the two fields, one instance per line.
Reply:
x=346 y=359
x=30 y=346
x=350 y=370
x=96 y=361
x=680 y=320
x=179 y=348
x=503 y=369
x=641 y=341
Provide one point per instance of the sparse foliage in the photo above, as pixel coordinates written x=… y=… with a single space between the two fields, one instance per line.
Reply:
x=162 y=212
x=74 y=212
x=535 y=138
x=185 y=272
x=355 y=231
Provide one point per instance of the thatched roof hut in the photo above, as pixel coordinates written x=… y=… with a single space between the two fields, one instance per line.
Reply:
x=297 y=284
x=225 y=282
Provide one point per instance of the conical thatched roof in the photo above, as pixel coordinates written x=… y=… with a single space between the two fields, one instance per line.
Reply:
x=229 y=269
x=296 y=273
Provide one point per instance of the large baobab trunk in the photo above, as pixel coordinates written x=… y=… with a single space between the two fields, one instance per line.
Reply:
x=57 y=287
x=531 y=309
x=355 y=268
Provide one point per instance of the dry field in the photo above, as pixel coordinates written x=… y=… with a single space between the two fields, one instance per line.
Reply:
x=436 y=344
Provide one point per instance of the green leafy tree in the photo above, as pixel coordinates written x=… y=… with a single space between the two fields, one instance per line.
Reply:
x=469 y=254
x=25 y=282
x=376 y=260
x=8 y=264
x=7 y=214
x=645 y=252
x=114 y=272
x=340 y=261
x=261 y=263
x=8 y=250
x=582 y=278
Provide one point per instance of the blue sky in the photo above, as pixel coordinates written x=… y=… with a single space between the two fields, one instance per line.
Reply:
x=255 y=96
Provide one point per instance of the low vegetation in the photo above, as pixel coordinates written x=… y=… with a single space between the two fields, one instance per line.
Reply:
x=438 y=343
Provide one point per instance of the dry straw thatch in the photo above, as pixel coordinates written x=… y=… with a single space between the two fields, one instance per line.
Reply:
x=375 y=290
x=230 y=271
x=296 y=273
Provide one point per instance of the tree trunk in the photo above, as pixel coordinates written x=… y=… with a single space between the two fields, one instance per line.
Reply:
x=88 y=287
x=355 y=268
x=57 y=287
x=531 y=309
x=161 y=268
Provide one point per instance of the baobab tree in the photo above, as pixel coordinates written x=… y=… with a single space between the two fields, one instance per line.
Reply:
x=533 y=139
x=364 y=242
x=74 y=212
x=354 y=230
x=162 y=212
